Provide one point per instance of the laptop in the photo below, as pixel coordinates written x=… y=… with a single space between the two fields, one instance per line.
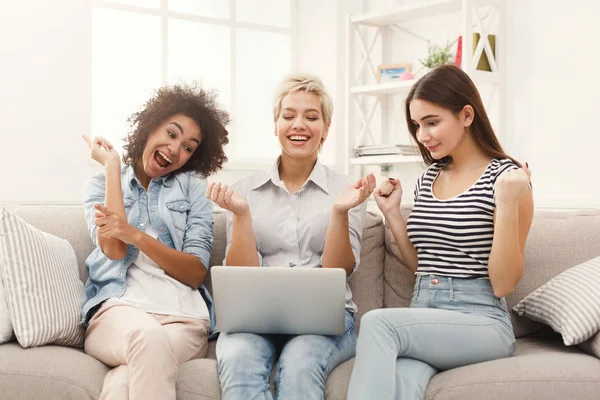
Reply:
x=271 y=300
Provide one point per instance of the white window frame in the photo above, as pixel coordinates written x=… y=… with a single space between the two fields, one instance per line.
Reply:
x=234 y=163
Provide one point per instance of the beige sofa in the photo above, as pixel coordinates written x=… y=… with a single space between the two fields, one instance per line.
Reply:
x=541 y=367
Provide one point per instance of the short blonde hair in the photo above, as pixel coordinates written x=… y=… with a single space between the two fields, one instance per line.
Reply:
x=310 y=84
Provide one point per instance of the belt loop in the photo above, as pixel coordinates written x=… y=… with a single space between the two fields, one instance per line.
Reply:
x=451 y=287
x=418 y=284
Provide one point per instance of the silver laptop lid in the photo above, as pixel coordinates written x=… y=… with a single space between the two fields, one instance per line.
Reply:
x=279 y=300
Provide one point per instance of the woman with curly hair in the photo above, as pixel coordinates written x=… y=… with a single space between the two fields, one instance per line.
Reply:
x=147 y=310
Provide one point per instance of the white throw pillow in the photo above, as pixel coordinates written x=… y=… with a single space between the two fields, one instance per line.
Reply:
x=5 y=325
x=41 y=280
x=569 y=303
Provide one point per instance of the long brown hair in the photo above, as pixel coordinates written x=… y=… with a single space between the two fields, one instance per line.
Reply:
x=451 y=88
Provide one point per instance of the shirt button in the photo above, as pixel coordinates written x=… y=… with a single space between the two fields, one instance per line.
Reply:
x=154 y=210
x=291 y=264
x=122 y=274
x=435 y=281
x=141 y=224
x=162 y=229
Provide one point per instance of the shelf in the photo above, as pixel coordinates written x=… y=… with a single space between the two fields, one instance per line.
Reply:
x=383 y=88
x=387 y=159
x=402 y=87
x=409 y=12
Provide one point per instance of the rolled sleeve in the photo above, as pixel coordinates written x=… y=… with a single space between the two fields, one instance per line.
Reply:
x=356 y=220
x=198 y=235
x=93 y=192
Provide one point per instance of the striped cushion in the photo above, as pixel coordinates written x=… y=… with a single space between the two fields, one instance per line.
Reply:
x=5 y=325
x=569 y=303
x=41 y=280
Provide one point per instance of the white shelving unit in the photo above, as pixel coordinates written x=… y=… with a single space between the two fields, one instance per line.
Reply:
x=365 y=31
x=386 y=159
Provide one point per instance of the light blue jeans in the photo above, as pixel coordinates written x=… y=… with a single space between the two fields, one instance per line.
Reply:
x=246 y=360
x=452 y=322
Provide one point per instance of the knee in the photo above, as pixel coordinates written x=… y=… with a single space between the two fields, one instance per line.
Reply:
x=372 y=321
x=236 y=355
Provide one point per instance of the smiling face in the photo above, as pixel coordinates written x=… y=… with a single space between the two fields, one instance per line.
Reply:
x=170 y=146
x=439 y=129
x=300 y=127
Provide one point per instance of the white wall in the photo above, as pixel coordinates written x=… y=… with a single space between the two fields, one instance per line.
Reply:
x=45 y=94
x=554 y=97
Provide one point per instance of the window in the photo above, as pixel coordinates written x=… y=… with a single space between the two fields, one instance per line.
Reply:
x=231 y=46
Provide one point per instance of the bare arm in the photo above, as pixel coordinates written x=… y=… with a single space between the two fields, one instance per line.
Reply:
x=512 y=220
x=506 y=263
x=242 y=249
x=102 y=151
x=338 y=248
x=338 y=252
x=113 y=248
x=388 y=196
x=184 y=267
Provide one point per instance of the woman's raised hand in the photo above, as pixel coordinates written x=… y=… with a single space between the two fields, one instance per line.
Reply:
x=101 y=150
x=388 y=196
x=226 y=198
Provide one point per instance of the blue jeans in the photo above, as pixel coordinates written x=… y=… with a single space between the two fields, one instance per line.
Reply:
x=452 y=322
x=246 y=360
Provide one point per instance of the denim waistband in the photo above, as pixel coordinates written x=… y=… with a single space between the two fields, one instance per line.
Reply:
x=437 y=282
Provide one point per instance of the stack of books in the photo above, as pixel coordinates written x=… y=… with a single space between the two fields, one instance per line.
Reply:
x=386 y=149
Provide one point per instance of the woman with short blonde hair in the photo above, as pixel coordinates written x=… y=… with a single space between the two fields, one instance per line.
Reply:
x=300 y=214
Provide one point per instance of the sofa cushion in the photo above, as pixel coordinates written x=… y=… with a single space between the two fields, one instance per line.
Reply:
x=198 y=380
x=592 y=345
x=538 y=369
x=367 y=282
x=399 y=280
x=569 y=303
x=49 y=372
x=41 y=279
x=65 y=222
x=557 y=241
x=54 y=372
x=6 y=329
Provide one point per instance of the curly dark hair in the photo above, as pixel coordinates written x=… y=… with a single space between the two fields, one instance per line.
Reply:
x=194 y=102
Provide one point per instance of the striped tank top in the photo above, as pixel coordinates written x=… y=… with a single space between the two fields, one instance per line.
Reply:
x=454 y=237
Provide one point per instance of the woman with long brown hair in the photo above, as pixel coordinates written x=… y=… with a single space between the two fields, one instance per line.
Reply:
x=464 y=240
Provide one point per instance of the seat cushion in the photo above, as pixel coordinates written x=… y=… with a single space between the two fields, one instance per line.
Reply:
x=49 y=372
x=57 y=372
x=539 y=369
x=198 y=380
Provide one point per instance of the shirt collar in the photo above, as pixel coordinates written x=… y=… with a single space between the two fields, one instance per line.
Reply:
x=166 y=181
x=318 y=176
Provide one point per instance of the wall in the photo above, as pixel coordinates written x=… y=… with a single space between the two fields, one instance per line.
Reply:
x=553 y=97
x=45 y=93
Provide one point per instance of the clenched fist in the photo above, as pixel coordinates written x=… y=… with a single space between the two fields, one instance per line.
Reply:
x=511 y=186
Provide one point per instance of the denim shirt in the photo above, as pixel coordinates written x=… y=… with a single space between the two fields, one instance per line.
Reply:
x=179 y=212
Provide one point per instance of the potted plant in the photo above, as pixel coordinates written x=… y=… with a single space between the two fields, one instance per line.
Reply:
x=437 y=55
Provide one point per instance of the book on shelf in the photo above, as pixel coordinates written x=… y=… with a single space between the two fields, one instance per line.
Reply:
x=381 y=150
